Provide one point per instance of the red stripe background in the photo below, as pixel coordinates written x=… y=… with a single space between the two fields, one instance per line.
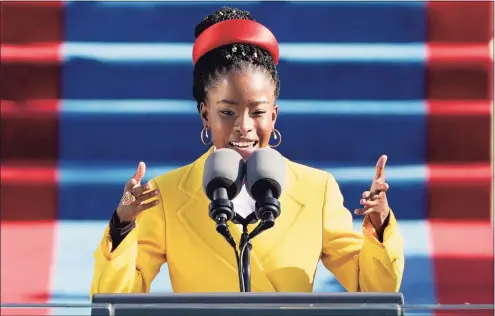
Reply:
x=29 y=207
x=460 y=110
x=459 y=76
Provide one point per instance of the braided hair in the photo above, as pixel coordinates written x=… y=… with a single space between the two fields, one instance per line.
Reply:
x=233 y=57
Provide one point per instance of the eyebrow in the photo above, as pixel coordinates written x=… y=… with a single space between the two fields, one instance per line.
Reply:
x=231 y=102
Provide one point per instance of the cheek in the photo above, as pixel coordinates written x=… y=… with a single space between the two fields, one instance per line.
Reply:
x=264 y=129
x=221 y=127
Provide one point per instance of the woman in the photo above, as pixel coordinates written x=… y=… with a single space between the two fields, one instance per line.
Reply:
x=236 y=85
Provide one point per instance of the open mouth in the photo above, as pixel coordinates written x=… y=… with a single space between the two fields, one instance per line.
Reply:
x=243 y=144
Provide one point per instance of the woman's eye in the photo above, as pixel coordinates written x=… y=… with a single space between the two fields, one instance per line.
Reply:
x=259 y=112
x=229 y=113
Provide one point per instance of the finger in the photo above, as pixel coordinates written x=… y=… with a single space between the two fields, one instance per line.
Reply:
x=374 y=197
x=377 y=195
x=140 y=171
x=380 y=167
x=131 y=184
x=363 y=211
x=146 y=206
x=379 y=186
x=137 y=191
x=369 y=203
x=384 y=187
x=146 y=196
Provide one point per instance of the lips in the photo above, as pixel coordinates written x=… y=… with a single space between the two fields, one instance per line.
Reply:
x=244 y=147
x=243 y=144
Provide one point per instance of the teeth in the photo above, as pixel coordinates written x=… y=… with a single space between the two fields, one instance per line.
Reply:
x=242 y=144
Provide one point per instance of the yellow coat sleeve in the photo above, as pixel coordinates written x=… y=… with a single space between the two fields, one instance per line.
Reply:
x=137 y=260
x=360 y=262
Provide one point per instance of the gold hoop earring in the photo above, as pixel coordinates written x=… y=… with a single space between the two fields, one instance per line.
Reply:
x=276 y=135
x=204 y=134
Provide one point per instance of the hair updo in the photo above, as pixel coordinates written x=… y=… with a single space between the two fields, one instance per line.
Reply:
x=232 y=57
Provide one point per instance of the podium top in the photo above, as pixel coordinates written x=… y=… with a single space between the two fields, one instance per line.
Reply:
x=239 y=304
x=181 y=306
x=252 y=298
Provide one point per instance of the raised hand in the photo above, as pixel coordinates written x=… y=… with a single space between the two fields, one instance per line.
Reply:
x=374 y=201
x=136 y=196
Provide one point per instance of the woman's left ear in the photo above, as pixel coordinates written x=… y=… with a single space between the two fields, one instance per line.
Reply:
x=203 y=112
x=274 y=114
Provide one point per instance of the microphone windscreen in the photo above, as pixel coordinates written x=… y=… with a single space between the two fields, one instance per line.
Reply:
x=265 y=170
x=224 y=168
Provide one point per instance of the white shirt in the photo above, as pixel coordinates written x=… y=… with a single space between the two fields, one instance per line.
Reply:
x=244 y=204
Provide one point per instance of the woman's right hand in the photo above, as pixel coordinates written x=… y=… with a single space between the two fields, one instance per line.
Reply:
x=135 y=197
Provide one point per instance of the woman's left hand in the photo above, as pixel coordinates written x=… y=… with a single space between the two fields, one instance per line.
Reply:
x=375 y=202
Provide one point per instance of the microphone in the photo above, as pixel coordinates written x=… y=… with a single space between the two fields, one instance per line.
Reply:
x=265 y=179
x=222 y=181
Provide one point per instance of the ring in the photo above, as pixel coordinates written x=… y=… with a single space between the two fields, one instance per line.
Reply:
x=374 y=193
x=128 y=198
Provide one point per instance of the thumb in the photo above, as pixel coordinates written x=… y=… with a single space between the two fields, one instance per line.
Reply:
x=137 y=177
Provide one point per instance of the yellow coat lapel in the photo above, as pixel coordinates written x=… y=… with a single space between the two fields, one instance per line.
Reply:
x=194 y=214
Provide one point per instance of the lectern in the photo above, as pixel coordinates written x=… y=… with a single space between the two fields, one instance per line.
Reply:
x=244 y=304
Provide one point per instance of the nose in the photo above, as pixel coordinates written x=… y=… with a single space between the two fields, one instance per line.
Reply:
x=244 y=124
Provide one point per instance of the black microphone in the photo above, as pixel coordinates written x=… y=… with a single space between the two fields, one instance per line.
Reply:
x=265 y=179
x=222 y=181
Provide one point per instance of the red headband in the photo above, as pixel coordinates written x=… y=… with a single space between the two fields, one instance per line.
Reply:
x=235 y=32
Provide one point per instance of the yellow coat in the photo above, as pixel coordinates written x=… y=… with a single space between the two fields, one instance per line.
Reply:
x=314 y=225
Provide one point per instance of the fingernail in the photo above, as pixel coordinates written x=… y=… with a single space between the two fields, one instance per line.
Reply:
x=156 y=192
x=148 y=186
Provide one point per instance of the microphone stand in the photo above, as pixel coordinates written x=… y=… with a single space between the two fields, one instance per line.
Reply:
x=267 y=210
x=245 y=260
x=245 y=247
x=221 y=209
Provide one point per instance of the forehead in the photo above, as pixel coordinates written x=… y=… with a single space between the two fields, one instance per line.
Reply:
x=248 y=84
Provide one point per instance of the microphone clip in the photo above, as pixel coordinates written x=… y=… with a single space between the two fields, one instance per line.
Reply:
x=221 y=211
x=267 y=210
